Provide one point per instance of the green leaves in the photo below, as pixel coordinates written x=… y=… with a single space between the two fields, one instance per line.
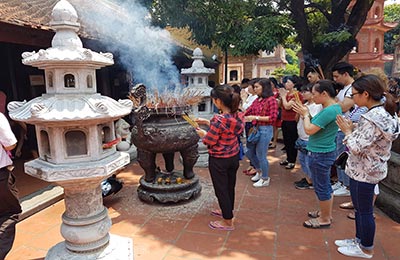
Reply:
x=249 y=25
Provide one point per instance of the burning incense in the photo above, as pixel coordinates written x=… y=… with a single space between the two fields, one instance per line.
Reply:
x=190 y=120
x=296 y=96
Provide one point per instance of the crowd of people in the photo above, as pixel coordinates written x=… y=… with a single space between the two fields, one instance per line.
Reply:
x=319 y=118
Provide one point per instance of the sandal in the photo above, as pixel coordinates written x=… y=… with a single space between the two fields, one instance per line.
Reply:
x=283 y=163
x=314 y=214
x=271 y=146
x=218 y=226
x=252 y=172
x=248 y=170
x=290 y=166
x=314 y=223
x=216 y=213
x=347 y=205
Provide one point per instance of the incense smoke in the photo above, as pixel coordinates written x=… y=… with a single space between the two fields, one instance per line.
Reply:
x=145 y=51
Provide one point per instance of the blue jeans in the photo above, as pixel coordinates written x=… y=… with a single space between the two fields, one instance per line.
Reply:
x=257 y=152
x=303 y=157
x=362 y=195
x=340 y=147
x=320 y=166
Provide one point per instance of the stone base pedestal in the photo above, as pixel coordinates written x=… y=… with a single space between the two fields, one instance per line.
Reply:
x=389 y=198
x=202 y=161
x=166 y=189
x=119 y=248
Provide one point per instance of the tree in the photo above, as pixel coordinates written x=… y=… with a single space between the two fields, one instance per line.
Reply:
x=326 y=30
x=250 y=25
x=392 y=14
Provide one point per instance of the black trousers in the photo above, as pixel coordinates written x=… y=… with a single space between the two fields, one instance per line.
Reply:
x=289 y=132
x=223 y=175
x=9 y=211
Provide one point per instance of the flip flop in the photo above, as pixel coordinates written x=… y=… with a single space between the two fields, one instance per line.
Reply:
x=216 y=225
x=251 y=172
x=216 y=213
x=347 y=205
x=314 y=224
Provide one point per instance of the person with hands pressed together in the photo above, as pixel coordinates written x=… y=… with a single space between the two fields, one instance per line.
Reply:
x=223 y=147
x=321 y=149
x=263 y=112
x=289 y=120
x=369 y=144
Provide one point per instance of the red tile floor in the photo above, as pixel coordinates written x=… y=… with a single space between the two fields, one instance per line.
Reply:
x=268 y=223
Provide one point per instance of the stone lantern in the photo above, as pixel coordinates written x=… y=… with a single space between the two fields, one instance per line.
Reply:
x=198 y=85
x=76 y=139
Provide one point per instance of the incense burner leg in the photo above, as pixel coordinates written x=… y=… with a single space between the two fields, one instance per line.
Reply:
x=189 y=158
x=147 y=160
x=169 y=161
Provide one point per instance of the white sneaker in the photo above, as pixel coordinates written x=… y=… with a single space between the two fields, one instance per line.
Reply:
x=346 y=242
x=353 y=250
x=261 y=183
x=342 y=191
x=256 y=177
x=336 y=186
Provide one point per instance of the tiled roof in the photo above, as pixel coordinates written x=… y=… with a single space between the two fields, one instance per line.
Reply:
x=32 y=13
x=36 y=13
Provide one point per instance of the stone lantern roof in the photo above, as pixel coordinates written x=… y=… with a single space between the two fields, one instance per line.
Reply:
x=198 y=65
x=66 y=45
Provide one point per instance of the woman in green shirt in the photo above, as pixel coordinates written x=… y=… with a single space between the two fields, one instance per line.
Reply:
x=322 y=129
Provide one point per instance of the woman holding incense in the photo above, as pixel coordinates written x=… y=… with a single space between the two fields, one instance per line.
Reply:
x=223 y=147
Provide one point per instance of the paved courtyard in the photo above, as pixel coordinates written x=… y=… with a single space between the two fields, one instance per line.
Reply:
x=268 y=223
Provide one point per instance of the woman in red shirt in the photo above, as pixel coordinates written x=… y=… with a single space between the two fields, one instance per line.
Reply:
x=289 y=120
x=263 y=113
x=223 y=148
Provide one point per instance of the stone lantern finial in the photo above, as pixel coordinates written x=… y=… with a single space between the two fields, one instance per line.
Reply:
x=65 y=23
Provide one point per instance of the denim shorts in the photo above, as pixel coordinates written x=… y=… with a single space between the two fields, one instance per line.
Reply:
x=320 y=166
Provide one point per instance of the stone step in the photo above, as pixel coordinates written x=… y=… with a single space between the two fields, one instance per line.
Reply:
x=40 y=199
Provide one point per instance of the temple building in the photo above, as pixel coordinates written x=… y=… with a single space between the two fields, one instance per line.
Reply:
x=369 y=52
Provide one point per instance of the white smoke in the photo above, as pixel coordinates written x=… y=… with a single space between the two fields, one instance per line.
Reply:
x=145 y=51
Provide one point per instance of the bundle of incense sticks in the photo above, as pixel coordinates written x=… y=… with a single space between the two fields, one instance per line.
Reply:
x=296 y=96
x=190 y=120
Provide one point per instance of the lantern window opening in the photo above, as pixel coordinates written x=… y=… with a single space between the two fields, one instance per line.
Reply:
x=89 y=81
x=69 y=81
x=76 y=143
x=50 y=79
x=45 y=144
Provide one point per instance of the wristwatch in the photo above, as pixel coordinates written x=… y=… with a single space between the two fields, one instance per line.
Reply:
x=257 y=118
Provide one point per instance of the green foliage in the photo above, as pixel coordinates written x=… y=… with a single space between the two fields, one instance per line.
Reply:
x=250 y=26
x=291 y=56
x=392 y=14
x=332 y=37
x=292 y=68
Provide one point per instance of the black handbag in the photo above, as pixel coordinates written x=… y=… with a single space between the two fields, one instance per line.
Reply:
x=341 y=160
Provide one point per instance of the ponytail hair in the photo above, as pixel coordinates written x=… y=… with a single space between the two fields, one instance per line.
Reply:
x=376 y=89
x=326 y=85
x=227 y=95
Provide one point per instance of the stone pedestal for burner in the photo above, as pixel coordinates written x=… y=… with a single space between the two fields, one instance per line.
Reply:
x=76 y=139
x=164 y=131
